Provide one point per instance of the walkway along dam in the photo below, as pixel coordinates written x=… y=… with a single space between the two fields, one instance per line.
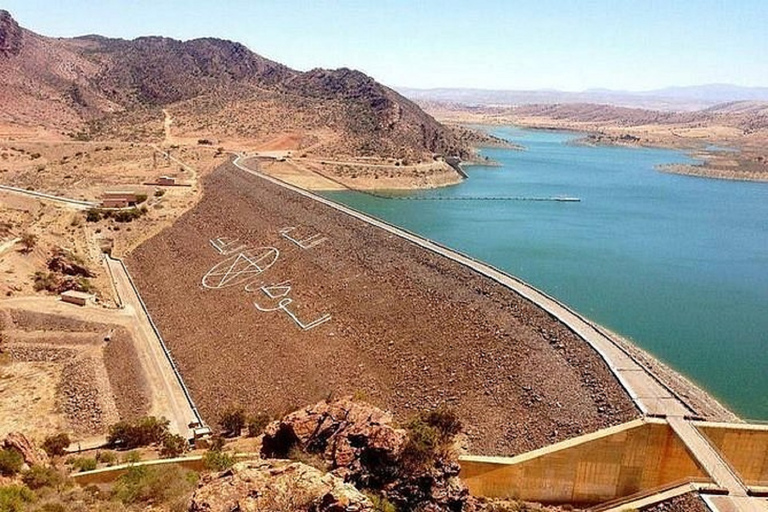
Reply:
x=263 y=283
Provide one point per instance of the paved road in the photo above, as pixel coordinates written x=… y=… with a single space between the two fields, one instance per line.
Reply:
x=650 y=395
x=73 y=203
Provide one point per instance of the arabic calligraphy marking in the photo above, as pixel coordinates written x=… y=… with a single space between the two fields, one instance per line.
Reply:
x=304 y=243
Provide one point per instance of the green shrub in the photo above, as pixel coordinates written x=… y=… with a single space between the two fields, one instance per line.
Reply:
x=380 y=503
x=14 y=497
x=107 y=457
x=173 y=446
x=40 y=476
x=140 y=198
x=159 y=192
x=170 y=485
x=421 y=447
x=232 y=421
x=215 y=460
x=47 y=281
x=56 y=445
x=141 y=432
x=445 y=421
x=132 y=457
x=83 y=463
x=11 y=462
x=93 y=215
x=257 y=424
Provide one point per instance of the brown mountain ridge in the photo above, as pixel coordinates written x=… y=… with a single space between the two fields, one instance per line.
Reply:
x=98 y=87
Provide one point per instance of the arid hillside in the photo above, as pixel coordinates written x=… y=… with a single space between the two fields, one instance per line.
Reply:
x=96 y=87
x=738 y=130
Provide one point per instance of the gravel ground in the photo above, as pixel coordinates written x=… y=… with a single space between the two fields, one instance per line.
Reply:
x=410 y=330
x=99 y=384
x=124 y=370
x=690 y=502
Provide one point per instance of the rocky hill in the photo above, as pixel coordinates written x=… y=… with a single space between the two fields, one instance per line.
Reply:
x=93 y=86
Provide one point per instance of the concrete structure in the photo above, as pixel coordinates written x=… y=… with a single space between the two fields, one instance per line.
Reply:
x=592 y=469
x=744 y=447
x=73 y=297
x=166 y=181
x=118 y=199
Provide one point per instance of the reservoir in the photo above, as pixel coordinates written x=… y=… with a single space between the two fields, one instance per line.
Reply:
x=678 y=264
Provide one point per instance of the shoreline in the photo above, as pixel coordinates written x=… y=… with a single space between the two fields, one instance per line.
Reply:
x=693 y=395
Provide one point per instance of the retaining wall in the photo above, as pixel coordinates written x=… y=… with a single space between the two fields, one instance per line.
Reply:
x=606 y=465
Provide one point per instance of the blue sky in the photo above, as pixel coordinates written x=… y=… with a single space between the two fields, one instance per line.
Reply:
x=568 y=45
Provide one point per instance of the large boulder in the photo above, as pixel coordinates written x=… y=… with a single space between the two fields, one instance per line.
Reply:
x=276 y=485
x=355 y=439
x=360 y=444
x=32 y=455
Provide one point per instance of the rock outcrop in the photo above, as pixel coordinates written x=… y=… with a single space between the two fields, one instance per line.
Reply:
x=11 y=35
x=32 y=456
x=276 y=485
x=360 y=444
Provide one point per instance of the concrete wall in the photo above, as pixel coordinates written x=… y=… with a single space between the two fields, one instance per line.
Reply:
x=744 y=448
x=613 y=463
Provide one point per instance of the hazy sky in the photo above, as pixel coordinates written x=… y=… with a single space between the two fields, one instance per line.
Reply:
x=500 y=44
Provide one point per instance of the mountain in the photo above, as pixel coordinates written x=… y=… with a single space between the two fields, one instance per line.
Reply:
x=94 y=86
x=669 y=99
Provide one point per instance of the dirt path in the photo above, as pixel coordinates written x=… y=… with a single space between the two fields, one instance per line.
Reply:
x=167 y=396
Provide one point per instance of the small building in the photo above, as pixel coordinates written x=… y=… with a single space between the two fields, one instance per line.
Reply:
x=74 y=297
x=118 y=199
x=166 y=180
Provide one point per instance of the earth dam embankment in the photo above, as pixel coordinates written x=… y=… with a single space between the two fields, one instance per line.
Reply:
x=271 y=300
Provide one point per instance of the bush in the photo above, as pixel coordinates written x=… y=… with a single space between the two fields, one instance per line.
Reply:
x=173 y=446
x=132 y=457
x=140 y=198
x=159 y=192
x=40 y=476
x=93 y=215
x=47 y=281
x=380 y=504
x=107 y=457
x=28 y=242
x=232 y=421
x=215 y=460
x=445 y=421
x=421 y=447
x=257 y=424
x=146 y=485
x=83 y=463
x=11 y=462
x=56 y=445
x=141 y=432
x=14 y=497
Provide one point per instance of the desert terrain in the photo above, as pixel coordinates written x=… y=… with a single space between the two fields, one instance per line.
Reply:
x=730 y=139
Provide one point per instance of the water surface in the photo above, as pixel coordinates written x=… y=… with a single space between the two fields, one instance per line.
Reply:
x=678 y=264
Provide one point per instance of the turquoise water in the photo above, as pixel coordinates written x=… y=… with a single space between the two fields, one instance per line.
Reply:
x=679 y=264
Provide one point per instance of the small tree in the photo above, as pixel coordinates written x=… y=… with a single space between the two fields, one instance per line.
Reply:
x=56 y=445
x=11 y=462
x=232 y=421
x=257 y=424
x=173 y=446
x=141 y=432
x=28 y=242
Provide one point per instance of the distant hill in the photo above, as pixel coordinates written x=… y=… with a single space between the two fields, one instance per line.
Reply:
x=93 y=86
x=669 y=99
